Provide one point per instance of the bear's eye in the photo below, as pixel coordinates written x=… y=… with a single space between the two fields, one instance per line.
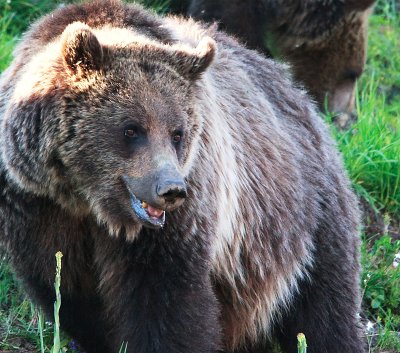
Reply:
x=134 y=135
x=177 y=137
x=131 y=133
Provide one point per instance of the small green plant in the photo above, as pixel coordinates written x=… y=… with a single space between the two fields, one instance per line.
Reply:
x=57 y=305
x=301 y=343
x=381 y=286
x=123 y=348
x=381 y=276
x=40 y=328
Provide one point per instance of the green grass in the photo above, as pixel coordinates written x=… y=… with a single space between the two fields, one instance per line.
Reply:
x=15 y=17
x=371 y=152
x=18 y=317
x=371 y=149
x=381 y=290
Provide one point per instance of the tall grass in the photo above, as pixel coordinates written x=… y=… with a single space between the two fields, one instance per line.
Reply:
x=371 y=149
x=15 y=16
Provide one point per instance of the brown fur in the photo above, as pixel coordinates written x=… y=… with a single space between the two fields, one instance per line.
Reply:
x=265 y=243
x=324 y=41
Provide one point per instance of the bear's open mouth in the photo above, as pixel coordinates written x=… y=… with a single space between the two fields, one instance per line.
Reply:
x=150 y=216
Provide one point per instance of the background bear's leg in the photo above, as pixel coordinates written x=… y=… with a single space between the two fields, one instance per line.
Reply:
x=158 y=293
x=327 y=306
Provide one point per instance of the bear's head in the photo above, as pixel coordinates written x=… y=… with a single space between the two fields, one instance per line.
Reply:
x=102 y=121
x=331 y=56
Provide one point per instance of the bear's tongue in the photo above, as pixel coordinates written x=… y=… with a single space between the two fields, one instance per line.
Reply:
x=154 y=212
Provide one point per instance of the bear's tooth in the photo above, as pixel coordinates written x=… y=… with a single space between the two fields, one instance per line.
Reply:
x=144 y=204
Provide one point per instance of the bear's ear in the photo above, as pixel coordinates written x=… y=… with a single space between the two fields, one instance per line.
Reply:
x=359 y=5
x=81 y=49
x=191 y=64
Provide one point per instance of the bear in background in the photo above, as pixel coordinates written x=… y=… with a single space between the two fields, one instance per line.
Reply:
x=197 y=197
x=323 y=41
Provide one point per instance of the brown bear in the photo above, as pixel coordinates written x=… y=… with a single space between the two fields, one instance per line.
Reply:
x=324 y=41
x=196 y=195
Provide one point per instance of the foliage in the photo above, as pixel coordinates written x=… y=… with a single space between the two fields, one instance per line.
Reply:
x=381 y=276
x=371 y=149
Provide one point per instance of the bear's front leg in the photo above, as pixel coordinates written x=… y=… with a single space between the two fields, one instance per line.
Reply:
x=326 y=309
x=157 y=294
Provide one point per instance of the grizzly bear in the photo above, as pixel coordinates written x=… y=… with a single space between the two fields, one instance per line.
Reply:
x=324 y=41
x=198 y=199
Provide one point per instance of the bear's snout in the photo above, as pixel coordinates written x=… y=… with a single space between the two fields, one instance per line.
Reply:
x=171 y=190
x=164 y=189
x=170 y=187
x=152 y=195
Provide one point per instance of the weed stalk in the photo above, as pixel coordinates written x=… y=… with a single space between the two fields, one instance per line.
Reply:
x=57 y=305
x=301 y=343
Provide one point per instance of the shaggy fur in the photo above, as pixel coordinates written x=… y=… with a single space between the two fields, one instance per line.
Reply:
x=265 y=244
x=324 y=41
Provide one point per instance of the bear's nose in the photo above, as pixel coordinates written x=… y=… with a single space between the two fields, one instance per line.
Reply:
x=171 y=190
